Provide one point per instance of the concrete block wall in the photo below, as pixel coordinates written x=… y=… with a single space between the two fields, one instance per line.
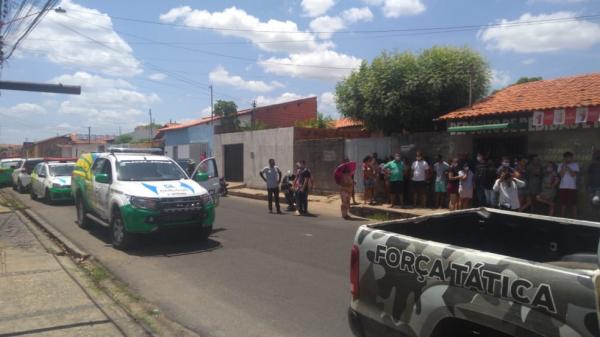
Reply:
x=259 y=146
x=322 y=157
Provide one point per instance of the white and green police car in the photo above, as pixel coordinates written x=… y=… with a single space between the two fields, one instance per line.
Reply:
x=51 y=181
x=138 y=191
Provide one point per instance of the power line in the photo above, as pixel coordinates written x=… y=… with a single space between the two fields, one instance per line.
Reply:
x=367 y=31
x=246 y=59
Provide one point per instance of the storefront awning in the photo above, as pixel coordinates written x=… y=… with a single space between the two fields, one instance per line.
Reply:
x=482 y=127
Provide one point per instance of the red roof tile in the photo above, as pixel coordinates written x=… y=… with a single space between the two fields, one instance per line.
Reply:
x=346 y=123
x=565 y=92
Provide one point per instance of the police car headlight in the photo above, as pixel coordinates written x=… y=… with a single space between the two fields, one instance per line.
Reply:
x=206 y=199
x=146 y=203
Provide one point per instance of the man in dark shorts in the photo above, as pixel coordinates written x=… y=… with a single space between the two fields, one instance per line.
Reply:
x=396 y=176
x=567 y=189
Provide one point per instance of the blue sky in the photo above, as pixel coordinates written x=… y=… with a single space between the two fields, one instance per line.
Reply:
x=130 y=56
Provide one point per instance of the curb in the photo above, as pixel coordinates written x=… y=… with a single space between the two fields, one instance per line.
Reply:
x=256 y=196
x=71 y=247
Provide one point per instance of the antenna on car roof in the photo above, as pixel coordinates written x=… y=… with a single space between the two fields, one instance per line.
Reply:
x=157 y=151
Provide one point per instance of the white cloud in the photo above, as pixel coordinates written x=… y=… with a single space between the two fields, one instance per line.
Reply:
x=326 y=65
x=500 y=78
x=373 y=2
x=538 y=38
x=285 y=97
x=326 y=104
x=105 y=101
x=50 y=39
x=316 y=7
x=397 y=8
x=157 y=76
x=357 y=14
x=205 y=111
x=221 y=76
x=327 y=25
x=23 y=110
x=236 y=22
x=528 y=61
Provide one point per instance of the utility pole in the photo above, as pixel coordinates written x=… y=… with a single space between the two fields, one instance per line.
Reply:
x=89 y=134
x=150 y=113
x=211 y=103
x=253 y=109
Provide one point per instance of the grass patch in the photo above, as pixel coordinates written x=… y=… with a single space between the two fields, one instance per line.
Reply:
x=98 y=273
x=378 y=217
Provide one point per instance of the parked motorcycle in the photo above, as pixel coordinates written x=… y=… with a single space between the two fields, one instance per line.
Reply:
x=223 y=187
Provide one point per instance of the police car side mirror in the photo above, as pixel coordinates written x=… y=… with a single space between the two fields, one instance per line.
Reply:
x=201 y=176
x=42 y=175
x=101 y=178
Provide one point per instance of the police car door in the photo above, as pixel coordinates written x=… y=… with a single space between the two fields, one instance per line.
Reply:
x=212 y=185
x=101 y=190
x=37 y=177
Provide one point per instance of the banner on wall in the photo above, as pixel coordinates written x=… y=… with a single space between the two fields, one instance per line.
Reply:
x=568 y=116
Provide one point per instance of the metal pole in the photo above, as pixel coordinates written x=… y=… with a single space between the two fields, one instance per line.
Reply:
x=89 y=134
x=41 y=87
x=471 y=86
x=150 y=113
x=211 y=103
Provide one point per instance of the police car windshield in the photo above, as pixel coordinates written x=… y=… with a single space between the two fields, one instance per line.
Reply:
x=9 y=164
x=149 y=170
x=61 y=170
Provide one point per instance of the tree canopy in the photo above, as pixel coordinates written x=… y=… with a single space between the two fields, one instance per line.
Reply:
x=526 y=79
x=406 y=91
x=227 y=110
x=321 y=122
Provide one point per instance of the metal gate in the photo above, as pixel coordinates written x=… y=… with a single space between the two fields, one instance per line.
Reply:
x=234 y=162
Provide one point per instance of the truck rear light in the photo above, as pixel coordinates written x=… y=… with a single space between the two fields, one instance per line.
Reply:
x=354 y=271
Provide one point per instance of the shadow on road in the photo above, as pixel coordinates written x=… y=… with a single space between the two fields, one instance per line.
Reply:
x=167 y=243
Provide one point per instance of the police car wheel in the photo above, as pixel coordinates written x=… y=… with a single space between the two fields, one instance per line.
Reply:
x=82 y=220
x=47 y=197
x=20 y=187
x=33 y=195
x=121 y=239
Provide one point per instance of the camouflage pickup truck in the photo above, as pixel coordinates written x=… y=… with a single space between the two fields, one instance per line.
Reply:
x=478 y=272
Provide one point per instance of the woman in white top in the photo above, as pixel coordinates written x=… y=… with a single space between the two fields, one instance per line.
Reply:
x=508 y=188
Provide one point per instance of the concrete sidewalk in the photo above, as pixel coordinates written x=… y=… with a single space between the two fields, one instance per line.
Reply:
x=43 y=293
x=331 y=204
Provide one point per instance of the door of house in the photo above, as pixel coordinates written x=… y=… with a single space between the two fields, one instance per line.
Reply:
x=497 y=147
x=233 y=155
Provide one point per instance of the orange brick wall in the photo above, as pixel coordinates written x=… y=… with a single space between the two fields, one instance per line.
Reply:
x=287 y=114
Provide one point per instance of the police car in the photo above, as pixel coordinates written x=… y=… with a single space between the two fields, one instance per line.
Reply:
x=140 y=191
x=51 y=181
x=21 y=176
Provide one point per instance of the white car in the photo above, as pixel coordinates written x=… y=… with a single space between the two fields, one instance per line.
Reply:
x=51 y=181
x=21 y=177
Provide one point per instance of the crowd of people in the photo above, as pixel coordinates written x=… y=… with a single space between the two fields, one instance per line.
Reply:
x=523 y=184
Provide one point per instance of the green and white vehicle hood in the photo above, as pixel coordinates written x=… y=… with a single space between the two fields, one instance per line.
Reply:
x=160 y=189
x=61 y=182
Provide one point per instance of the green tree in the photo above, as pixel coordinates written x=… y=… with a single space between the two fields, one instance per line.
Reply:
x=228 y=111
x=123 y=139
x=406 y=91
x=526 y=79
x=321 y=122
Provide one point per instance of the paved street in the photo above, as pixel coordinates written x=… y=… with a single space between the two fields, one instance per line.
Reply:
x=260 y=274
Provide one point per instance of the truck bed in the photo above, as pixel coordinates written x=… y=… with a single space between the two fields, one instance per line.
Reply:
x=562 y=242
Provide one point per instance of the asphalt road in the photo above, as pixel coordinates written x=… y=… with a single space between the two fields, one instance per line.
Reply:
x=259 y=274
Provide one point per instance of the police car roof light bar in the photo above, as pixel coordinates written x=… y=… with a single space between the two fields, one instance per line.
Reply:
x=130 y=150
